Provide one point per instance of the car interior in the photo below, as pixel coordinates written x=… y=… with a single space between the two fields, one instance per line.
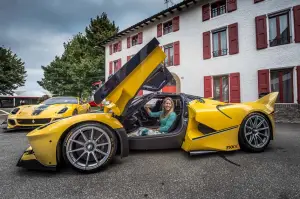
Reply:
x=140 y=118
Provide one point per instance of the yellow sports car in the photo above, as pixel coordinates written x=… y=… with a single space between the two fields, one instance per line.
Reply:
x=88 y=142
x=31 y=116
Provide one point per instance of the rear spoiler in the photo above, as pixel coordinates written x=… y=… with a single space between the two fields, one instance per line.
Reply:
x=268 y=100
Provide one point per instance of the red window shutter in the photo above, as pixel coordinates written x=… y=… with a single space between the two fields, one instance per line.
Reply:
x=110 y=68
x=176 y=53
x=296 y=11
x=110 y=49
x=120 y=63
x=159 y=30
x=231 y=5
x=263 y=81
x=175 y=24
x=261 y=32
x=128 y=58
x=256 y=1
x=140 y=38
x=206 y=45
x=235 y=94
x=298 y=83
x=120 y=46
x=128 y=42
x=233 y=39
x=207 y=87
x=205 y=12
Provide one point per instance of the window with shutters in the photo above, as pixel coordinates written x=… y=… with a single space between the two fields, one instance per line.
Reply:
x=218 y=8
x=279 y=29
x=219 y=38
x=115 y=47
x=221 y=88
x=168 y=27
x=169 y=51
x=134 y=40
x=282 y=82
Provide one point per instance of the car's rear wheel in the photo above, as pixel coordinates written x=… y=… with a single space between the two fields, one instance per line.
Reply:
x=255 y=133
x=89 y=147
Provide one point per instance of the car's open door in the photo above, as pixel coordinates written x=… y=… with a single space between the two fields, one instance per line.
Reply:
x=143 y=71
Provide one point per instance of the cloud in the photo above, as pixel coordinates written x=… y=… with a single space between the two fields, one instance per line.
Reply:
x=36 y=29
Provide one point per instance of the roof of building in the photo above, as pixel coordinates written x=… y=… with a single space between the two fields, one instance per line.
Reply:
x=176 y=8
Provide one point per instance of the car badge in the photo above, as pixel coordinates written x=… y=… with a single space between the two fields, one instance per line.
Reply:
x=33 y=121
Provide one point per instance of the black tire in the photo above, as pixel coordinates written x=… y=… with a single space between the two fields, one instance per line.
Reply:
x=75 y=112
x=246 y=143
x=111 y=154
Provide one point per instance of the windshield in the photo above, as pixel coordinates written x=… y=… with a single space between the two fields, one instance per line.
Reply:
x=61 y=100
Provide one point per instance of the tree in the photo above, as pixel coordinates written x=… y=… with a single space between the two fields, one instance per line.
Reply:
x=100 y=29
x=82 y=62
x=12 y=72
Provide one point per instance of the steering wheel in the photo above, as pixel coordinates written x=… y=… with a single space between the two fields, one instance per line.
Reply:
x=143 y=114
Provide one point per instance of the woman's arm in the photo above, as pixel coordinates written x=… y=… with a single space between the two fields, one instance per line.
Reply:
x=169 y=123
x=153 y=114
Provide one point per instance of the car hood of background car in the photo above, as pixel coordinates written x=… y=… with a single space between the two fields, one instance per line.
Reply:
x=143 y=71
x=41 y=110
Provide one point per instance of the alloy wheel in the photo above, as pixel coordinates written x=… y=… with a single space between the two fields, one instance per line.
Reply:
x=88 y=148
x=257 y=131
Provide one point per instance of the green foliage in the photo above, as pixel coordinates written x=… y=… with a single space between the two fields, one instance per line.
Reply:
x=82 y=62
x=12 y=72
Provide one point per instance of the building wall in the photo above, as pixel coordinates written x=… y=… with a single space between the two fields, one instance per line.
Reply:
x=247 y=62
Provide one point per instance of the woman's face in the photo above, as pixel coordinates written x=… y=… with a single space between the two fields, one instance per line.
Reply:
x=168 y=105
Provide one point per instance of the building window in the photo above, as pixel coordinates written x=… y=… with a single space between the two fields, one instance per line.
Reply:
x=218 y=8
x=116 y=47
x=115 y=66
x=168 y=27
x=221 y=88
x=169 y=51
x=279 y=29
x=219 y=43
x=134 y=40
x=282 y=82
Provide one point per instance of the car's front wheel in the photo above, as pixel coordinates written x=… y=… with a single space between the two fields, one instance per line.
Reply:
x=89 y=147
x=255 y=133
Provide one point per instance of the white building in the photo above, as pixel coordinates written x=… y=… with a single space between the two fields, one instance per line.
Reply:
x=231 y=50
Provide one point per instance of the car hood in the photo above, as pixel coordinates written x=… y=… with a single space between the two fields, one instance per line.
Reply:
x=41 y=110
x=143 y=71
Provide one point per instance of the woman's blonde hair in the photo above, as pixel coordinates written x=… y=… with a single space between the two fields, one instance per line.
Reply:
x=165 y=114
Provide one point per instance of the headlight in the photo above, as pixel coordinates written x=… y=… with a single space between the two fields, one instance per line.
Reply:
x=14 y=111
x=62 y=110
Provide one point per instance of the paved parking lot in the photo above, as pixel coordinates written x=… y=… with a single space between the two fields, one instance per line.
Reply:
x=164 y=174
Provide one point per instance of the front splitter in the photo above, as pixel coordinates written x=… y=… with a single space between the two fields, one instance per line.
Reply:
x=29 y=161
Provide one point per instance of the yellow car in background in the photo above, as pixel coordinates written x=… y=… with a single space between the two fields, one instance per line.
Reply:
x=31 y=116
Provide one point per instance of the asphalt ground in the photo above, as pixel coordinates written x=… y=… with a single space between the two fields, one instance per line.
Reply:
x=163 y=174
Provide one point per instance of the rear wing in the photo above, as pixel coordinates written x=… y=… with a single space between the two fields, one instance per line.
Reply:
x=268 y=100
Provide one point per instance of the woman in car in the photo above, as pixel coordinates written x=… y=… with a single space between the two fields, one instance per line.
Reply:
x=166 y=118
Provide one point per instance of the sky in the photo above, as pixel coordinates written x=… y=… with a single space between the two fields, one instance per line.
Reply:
x=36 y=29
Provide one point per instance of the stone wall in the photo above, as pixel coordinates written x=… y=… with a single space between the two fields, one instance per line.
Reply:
x=287 y=113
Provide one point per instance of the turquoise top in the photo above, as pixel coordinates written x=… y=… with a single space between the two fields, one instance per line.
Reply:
x=165 y=123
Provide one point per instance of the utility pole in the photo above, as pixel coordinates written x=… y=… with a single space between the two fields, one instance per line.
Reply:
x=167 y=2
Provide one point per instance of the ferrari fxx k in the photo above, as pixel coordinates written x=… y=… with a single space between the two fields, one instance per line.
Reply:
x=88 y=142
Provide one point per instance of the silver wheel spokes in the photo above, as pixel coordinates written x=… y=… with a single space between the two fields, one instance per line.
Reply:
x=88 y=148
x=257 y=131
